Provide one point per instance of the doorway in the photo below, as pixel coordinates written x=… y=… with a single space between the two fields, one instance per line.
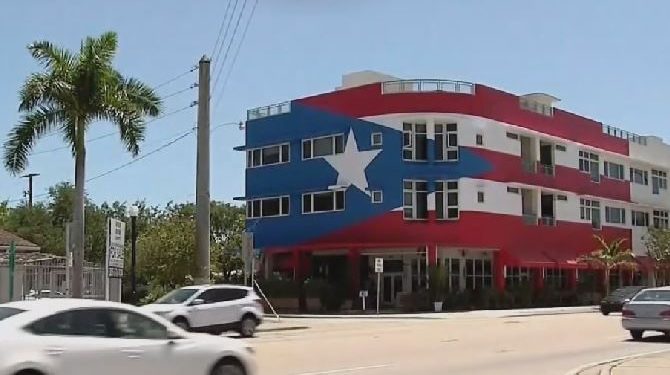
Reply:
x=391 y=286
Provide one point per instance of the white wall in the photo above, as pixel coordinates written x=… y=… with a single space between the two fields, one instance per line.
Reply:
x=655 y=152
x=496 y=198
x=638 y=246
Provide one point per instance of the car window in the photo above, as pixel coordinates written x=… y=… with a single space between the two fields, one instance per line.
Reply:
x=177 y=296
x=653 y=296
x=6 y=312
x=82 y=322
x=222 y=294
x=130 y=325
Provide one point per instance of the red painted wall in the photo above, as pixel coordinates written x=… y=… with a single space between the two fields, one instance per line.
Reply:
x=488 y=102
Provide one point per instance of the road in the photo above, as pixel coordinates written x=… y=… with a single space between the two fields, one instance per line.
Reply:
x=484 y=346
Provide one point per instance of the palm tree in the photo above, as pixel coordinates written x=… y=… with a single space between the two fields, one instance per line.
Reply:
x=72 y=92
x=608 y=256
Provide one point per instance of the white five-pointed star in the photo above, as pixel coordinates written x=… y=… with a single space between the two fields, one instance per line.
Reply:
x=351 y=164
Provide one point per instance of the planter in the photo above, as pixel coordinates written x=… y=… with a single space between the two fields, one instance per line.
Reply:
x=437 y=306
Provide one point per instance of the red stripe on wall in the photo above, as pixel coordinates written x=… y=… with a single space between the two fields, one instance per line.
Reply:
x=488 y=103
x=508 y=168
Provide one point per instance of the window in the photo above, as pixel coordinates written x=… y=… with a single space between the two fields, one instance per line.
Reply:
x=478 y=274
x=513 y=190
x=614 y=170
x=269 y=155
x=512 y=135
x=560 y=148
x=377 y=196
x=480 y=197
x=639 y=176
x=446 y=199
x=590 y=210
x=268 y=207
x=376 y=139
x=659 y=180
x=588 y=162
x=517 y=276
x=322 y=146
x=129 y=325
x=222 y=295
x=615 y=215
x=446 y=142
x=415 y=199
x=6 y=312
x=479 y=139
x=561 y=197
x=326 y=201
x=414 y=141
x=556 y=278
x=640 y=218
x=537 y=107
x=660 y=219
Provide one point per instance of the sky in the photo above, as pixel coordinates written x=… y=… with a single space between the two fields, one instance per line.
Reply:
x=606 y=60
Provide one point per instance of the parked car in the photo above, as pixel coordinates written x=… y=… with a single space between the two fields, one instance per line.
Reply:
x=78 y=337
x=211 y=308
x=44 y=293
x=649 y=310
x=614 y=301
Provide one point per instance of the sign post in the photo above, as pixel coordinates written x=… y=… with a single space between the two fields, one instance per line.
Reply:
x=12 y=266
x=379 y=269
x=364 y=295
x=116 y=233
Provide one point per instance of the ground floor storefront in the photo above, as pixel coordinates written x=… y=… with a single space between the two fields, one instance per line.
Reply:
x=470 y=273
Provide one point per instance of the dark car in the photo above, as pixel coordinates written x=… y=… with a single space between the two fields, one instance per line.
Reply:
x=615 y=301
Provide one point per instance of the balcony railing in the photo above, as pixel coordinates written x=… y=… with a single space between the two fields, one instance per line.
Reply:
x=548 y=221
x=546 y=169
x=269 y=110
x=529 y=219
x=428 y=85
x=623 y=134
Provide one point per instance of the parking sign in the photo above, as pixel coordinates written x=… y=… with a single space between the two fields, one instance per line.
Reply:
x=379 y=265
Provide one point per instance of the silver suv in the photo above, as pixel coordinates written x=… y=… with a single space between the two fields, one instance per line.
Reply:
x=211 y=308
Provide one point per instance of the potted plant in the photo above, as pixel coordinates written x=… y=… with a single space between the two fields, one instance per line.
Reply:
x=437 y=286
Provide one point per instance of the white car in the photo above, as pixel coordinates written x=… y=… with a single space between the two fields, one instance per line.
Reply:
x=649 y=310
x=211 y=308
x=83 y=337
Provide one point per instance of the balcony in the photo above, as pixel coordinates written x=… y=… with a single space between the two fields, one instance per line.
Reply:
x=620 y=133
x=529 y=166
x=269 y=110
x=548 y=221
x=428 y=85
x=545 y=169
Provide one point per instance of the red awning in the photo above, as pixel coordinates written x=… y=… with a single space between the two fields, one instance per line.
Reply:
x=545 y=258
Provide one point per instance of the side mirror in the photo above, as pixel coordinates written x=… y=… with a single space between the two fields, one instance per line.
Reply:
x=172 y=336
x=197 y=301
x=626 y=300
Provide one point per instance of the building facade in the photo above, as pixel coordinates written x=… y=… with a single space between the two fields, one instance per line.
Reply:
x=501 y=189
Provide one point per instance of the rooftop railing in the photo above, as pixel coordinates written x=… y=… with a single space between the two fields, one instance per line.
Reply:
x=428 y=85
x=620 y=133
x=269 y=110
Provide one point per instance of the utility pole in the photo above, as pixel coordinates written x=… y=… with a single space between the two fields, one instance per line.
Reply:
x=202 y=199
x=30 y=176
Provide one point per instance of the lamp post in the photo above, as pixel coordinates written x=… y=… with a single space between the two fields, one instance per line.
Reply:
x=133 y=211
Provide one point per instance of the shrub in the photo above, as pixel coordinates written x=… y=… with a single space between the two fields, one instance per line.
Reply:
x=278 y=287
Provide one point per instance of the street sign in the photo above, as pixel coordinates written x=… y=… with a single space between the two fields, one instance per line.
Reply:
x=116 y=235
x=379 y=265
x=363 y=293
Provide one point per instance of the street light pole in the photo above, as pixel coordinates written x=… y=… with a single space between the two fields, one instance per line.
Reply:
x=133 y=211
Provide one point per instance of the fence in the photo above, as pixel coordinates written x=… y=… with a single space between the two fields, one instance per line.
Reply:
x=49 y=281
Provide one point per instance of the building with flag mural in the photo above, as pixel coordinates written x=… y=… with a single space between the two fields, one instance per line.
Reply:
x=500 y=188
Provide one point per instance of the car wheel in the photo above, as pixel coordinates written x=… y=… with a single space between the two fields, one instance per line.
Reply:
x=228 y=369
x=248 y=326
x=182 y=323
x=636 y=334
x=605 y=312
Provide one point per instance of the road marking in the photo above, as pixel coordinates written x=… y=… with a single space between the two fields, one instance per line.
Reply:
x=344 y=370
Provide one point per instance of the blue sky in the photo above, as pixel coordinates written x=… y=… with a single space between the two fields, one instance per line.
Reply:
x=605 y=60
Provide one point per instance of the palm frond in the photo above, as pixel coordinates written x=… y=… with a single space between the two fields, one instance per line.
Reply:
x=51 y=56
x=142 y=97
x=24 y=135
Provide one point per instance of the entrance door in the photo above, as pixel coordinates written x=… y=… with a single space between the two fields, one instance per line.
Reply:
x=391 y=286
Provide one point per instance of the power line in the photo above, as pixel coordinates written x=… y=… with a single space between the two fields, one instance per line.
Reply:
x=218 y=38
x=237 y=52
x=232 y=41
x=191 y=87
x=165 y=83
x=215 y=57
x=106 y=135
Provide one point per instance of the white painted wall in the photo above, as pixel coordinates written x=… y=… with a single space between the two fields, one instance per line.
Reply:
x=496 y=198
x=638 y=246
x=655 y=152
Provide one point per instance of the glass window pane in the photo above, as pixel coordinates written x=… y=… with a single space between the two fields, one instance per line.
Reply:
x=256 y=208
x=323 y=146
x=420 y=128
x=284 y=206
x=452 y=199
x=421 y=147
x=307 y=203
x=271 y=155
x=306 y=149
x=256 y=158
x=439 y=147
x=452 y=155
x=270 y=207
x=453 y=140
x=407 y=199
x=421 y=186
x=284 y=153
x=339 y=200
x=422 y=205
x=407 y=185
x=452 y=213
x=439 y=204
x=452 y=185
x=339 y=144
x=451 y=127
x=406 y=126
x=408 y=213
x=323 y=202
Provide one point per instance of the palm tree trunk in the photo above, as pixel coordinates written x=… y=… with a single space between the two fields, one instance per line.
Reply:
x=78 y=213
x=607 y=281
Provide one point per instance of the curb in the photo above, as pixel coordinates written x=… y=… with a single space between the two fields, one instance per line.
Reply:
x=280 y=329
x=592 y=365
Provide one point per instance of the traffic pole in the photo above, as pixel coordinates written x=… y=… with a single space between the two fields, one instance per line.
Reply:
x=202 y=197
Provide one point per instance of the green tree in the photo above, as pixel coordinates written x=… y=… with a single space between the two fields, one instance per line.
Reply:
x=74 y=91
x=658 y=249
x=608 y=256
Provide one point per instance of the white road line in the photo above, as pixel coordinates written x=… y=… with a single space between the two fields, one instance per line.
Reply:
x=344 y=370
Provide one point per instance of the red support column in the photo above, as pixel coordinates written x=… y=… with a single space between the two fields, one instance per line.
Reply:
x=538 y=278
x=432 y=255
x=498 y=272
x=572 y=279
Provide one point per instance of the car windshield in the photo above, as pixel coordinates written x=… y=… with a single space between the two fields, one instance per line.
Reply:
x=627 y=291
x=176 y=296
x=6 y=312
x=653 y=296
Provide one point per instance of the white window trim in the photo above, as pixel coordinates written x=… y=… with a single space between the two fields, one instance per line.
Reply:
x=412 y=144
x=414 y=206
x=606 y=171
x=311 y=141
x=381 y=139
x=445 y=200
x=251 y=150
x=445 y=146
x=250 y=201
x=663 y=217
x=645 y=214
x=622 y=209
x=644 y=172
x=335 y=209
x=590 y=208
x=381 y=196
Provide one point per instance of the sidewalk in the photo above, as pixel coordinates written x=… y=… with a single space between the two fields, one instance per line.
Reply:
x=515 y=313
x=657 y=363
